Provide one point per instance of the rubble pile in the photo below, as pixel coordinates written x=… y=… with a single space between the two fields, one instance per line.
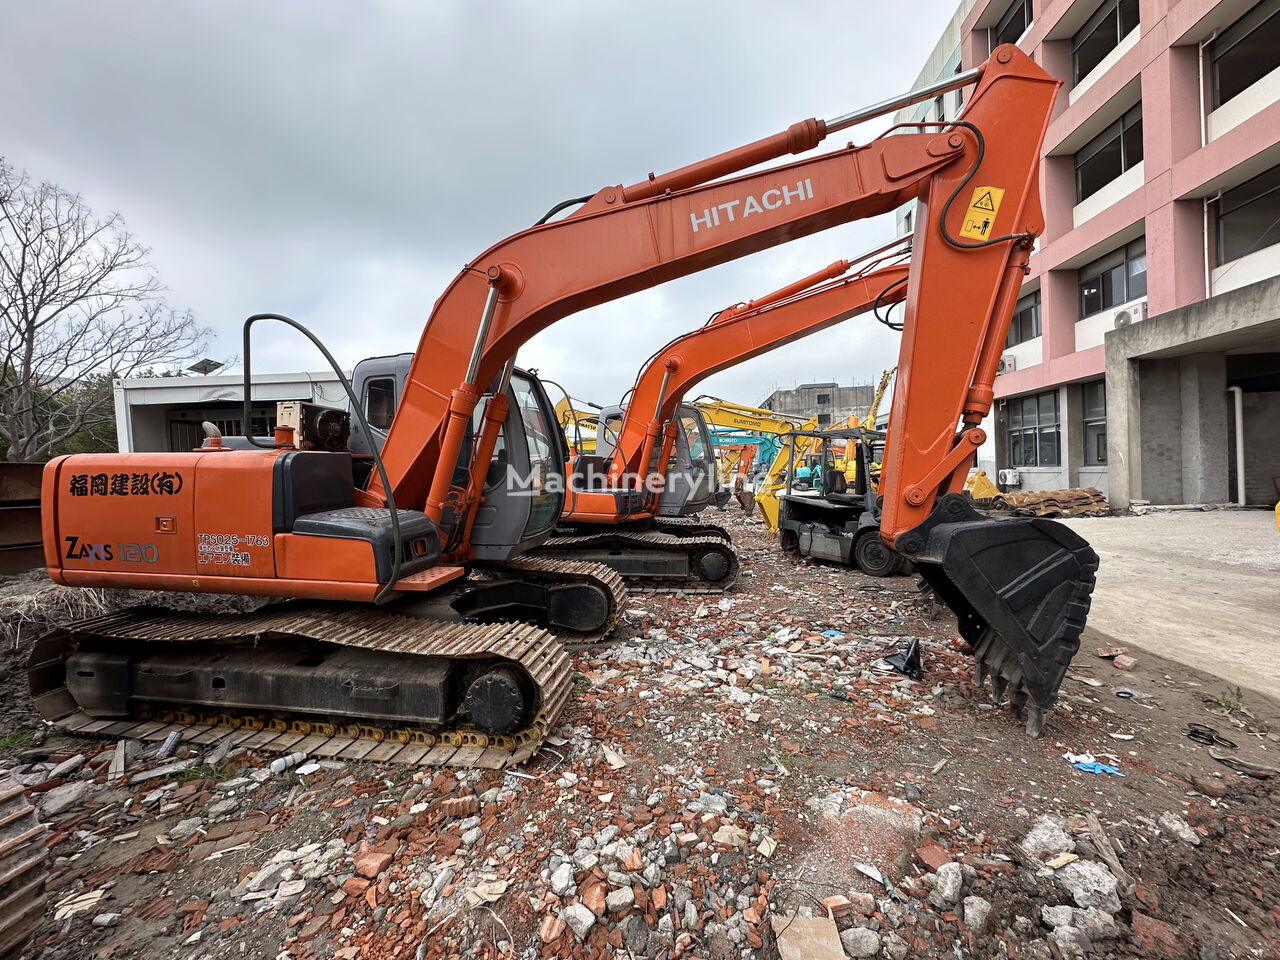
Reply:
x=737 y=777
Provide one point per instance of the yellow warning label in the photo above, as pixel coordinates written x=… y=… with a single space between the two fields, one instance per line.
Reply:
x=980 y=220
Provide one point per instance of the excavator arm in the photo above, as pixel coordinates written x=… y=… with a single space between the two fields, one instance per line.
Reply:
x=747 y=330
x=737 y=416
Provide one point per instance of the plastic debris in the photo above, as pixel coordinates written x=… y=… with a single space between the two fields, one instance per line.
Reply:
x=1096 y=767
x=281 y=764
x=170 y=744
x=907 y=662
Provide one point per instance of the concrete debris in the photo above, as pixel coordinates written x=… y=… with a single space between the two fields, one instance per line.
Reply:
x=1089 y=884
x=579 y=919
x=860 y=942
x=1181 y=830
x=734 y=780
x=1048 y=836
x=976 y=912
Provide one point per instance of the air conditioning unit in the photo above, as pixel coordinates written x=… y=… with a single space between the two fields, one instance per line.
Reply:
x=315 y=427
x=1008 y=363
x=1134 y=314
x=1008 y=478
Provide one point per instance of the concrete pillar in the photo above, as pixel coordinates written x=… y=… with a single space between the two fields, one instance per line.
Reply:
x=1059 y=312
x=1171 y=132
x=1057 y=196
x=1124 y=433
x=1203 y=381
x=1071 y=413
x=1160 y=381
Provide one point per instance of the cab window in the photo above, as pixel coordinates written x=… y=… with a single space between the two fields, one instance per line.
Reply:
x=380 y=402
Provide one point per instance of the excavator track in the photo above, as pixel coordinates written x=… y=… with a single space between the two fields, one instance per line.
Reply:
x=559 y=571
x=690 y=526
x=534 y=652
x=635 y=544
x=23 y=869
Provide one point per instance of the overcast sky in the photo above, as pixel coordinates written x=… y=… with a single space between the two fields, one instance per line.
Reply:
x=339 y=162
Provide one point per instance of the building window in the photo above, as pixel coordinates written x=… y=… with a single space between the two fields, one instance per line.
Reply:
x=1249 y=216
x=824 y=398
x=1109 y=154
x=1095 y=423
x=1034 y=434
x=1101 y=34
x=1025 y=324
x=1117 y=278
x=1013 y=24
x=1246 y=51
x=824 y=419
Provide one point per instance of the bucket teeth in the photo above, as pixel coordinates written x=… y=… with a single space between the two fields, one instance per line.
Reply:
x=998 y=686
x=1035 y=719
x=995 y=664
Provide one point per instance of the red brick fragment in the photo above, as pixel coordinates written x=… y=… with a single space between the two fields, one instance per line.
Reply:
x=933 y=856
x=459 y=806
x=1156 y=935
x=371 y=864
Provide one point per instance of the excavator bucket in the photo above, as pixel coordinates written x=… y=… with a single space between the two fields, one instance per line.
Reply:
x=1020 y=588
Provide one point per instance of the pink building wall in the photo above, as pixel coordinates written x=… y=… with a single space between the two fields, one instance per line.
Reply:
x=1177 y=172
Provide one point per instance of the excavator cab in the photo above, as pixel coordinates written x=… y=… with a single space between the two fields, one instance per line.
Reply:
x=690 y=481
x=524 y=487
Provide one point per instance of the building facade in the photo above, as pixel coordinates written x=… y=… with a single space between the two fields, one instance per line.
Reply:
x=829 y=402
x=1144 y=353
x=164 y=414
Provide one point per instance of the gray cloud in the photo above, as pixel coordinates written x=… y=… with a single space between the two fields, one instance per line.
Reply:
x=339 y=162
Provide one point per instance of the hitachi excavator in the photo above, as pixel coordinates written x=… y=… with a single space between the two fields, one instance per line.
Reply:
x=619 y=505
x=352 y=659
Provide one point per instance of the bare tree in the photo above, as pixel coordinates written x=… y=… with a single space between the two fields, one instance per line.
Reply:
x=79 y=301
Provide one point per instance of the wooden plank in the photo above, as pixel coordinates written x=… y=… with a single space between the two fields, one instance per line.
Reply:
x=286 y=742
x=412 y=754
x=494 y=758
x=309 y=744
x=160 y=733
x=467 y=756
x=332 y=747
x=437 y=756
x=75 y=722
x=384 y=752
x=207 y=734
x=118 y=729
x=359 y=749
x=259 y=738
x=144 y=729
x=96 y=727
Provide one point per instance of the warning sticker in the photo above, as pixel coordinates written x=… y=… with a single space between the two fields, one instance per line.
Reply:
x=980 y=219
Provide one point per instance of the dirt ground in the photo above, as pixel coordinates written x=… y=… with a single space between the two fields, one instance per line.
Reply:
x=726 y=764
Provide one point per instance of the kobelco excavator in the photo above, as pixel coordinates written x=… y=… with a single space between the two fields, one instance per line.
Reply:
x=353 y=660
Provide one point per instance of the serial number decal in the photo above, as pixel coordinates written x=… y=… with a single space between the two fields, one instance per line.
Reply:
x=220 y=549
x=161 y=483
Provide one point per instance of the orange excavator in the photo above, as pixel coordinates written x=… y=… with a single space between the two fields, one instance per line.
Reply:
x=352 y=660
x=626 y=503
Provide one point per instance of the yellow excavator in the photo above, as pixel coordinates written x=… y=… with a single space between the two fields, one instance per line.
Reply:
x=579 y=426
x=805 y=448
